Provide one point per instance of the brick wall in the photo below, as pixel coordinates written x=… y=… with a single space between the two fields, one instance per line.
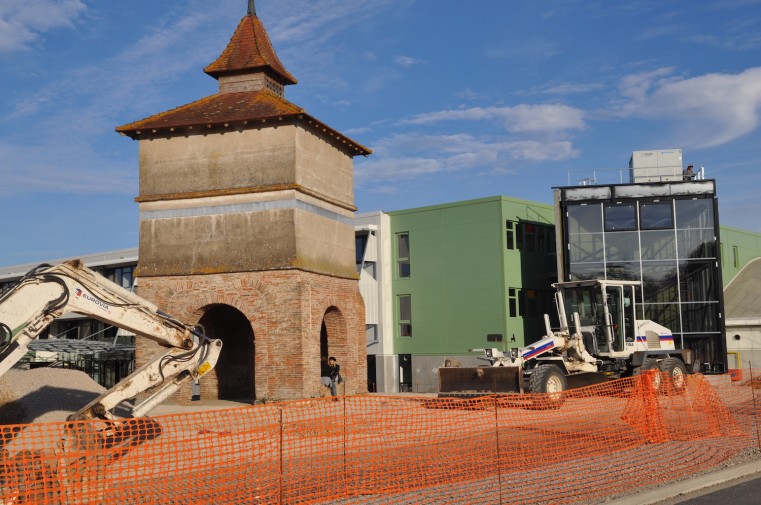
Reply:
x=286 y=309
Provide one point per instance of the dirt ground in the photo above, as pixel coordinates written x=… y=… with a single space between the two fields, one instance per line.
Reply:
x=230 y=441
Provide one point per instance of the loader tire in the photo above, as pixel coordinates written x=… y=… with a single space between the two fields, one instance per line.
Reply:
x=551 y=380
x=675 y=372
x=650 y=364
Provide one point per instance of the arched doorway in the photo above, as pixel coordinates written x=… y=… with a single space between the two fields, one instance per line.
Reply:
x=324 y=351
x=235 y=370
x=333 y=337
x=332 y=332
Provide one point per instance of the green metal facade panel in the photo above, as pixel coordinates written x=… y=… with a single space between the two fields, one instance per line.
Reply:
x=460 y=271
x=738 y=247
x=529 y=270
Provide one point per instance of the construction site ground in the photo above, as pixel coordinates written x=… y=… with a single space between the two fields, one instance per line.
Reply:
x=744 y=466
x=415 y=449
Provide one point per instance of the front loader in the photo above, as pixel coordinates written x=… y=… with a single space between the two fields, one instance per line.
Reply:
x=607 y=340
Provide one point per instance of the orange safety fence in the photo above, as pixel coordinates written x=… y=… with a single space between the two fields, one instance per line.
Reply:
x=573 y=447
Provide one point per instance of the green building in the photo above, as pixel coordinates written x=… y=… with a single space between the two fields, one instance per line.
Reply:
x=468 y=275
x=738 y=248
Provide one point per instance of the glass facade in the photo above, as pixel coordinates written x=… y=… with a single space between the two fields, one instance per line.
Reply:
x=670 y=245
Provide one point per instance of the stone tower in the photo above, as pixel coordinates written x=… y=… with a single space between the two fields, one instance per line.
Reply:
x=246 y=209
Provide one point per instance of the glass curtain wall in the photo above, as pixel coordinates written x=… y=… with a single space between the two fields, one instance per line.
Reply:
x=670 y=245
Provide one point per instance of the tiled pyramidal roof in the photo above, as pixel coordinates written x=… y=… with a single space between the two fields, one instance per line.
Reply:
x=250 y=50
x=251 y=80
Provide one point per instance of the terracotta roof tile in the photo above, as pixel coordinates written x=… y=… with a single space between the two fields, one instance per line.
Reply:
x=217 y=109
x=232 y=109
x=250 y=49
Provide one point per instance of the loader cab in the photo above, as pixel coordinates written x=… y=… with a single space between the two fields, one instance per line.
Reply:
x=619 y=302
x=606 y=314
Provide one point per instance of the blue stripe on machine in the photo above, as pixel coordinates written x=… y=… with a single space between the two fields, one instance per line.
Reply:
x=661 y=337
x=538 y=350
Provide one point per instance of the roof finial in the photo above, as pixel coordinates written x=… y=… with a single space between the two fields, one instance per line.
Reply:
x=251 y=8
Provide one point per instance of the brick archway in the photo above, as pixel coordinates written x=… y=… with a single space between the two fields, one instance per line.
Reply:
x=285 y=312
x=333 y=336
x=235 y=372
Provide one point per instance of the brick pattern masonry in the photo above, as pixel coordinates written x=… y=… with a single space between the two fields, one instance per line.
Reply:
x=286 y=310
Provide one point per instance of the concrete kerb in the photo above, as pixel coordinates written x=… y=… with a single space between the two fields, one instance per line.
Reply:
x=681 y=488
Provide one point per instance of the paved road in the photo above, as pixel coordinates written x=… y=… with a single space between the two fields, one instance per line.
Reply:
x=740 y=485
x=746 y=491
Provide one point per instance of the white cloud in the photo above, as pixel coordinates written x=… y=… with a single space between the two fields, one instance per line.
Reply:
x=709 y=110
x=636 y=86
x=23 y=21
x=307 y=38
x=406 y=61
x=72 y=112
x=132 y=83
x=572 y=89
x=407 y=156
x=523 y=118
x=63 y=169
x=298 y=22
x=466 y=94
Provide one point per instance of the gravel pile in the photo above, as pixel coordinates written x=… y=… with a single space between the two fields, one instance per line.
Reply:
x=44 y=395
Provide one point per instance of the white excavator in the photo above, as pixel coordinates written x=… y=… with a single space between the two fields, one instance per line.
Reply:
x=49 y=292
x=607 y=340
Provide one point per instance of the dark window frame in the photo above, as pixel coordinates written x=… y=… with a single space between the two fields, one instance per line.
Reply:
x=403 y=267
x=616 y=223
x=405 y=324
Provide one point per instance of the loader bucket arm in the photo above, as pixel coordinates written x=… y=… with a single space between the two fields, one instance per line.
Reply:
x=469 y=381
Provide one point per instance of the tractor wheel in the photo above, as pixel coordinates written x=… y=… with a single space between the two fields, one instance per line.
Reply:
x=650 y=364
x=675 y=372
x=551 y=380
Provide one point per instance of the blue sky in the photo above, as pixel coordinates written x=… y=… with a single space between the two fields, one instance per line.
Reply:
x=457 y=99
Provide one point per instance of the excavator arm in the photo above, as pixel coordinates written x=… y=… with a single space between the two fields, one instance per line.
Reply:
x=47 y=293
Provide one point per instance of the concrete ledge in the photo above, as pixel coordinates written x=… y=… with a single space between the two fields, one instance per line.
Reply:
x=691 y=485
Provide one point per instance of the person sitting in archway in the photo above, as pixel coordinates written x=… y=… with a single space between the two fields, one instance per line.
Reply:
x=335 y=374
x=325 y=372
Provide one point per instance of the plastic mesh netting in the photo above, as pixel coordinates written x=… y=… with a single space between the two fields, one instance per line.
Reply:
x=587 y=443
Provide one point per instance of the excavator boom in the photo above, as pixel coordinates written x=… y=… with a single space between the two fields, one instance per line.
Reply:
x=49 y=292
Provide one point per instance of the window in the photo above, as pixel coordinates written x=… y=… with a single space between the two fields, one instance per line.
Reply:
x=533 y=303
x=735 y=257
x=656 y=216
x=530 y=239
x=695 y=213
x=584 y=218
x=510 y=234
x=371 y=332
x=620 y=217
x=405 y=315
x=512 y=302
x=360 y=244
x=403 y=255
x=122 y=276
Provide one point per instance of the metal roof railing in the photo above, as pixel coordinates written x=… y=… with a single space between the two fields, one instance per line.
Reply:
x=633 y=175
